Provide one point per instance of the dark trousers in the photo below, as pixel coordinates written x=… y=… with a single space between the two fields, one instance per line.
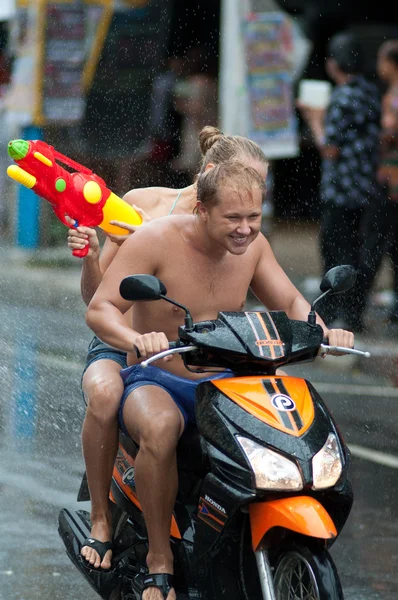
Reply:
x=382 y=238
x=392 y=245
x=356 y=237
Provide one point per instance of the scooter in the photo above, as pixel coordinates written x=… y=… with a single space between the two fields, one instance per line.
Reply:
x=263 y=486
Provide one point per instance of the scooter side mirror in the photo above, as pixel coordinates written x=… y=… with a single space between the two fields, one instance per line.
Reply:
x=339 y=279
x=336 y=281
x=149 y=287
x=142 y=287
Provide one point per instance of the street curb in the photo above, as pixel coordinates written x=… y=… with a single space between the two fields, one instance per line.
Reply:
x=23 y=285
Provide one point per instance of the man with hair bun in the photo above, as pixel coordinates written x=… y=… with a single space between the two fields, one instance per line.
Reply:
x=387 y=68
x=101 y=382
x=207 y=261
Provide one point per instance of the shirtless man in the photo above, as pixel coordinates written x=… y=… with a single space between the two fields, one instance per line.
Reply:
x=101 y=383
x=207 y=262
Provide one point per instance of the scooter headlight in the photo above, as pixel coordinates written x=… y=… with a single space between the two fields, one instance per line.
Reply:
x=272 y=471
x=326 y=465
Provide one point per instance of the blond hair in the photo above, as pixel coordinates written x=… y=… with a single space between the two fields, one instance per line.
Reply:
x=216 y=147
x=238 y=177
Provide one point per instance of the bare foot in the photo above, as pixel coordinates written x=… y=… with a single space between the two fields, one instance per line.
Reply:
x=101 y=531
x=153 y=593
x=161 y=563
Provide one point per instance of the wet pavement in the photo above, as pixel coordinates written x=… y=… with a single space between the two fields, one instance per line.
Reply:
x=40 y=457
x=41 y=411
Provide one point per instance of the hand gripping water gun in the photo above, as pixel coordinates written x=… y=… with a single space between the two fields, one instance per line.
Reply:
x=81 y=195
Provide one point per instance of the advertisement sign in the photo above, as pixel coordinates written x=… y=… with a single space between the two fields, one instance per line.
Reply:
x=71 y=37
x=58 y=48
x=60 y=81
x=269 y=47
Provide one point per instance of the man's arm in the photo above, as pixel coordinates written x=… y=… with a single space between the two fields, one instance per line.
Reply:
x=274 y=289
x=315 y=118
x=97 y=260
x=389 y=120
x=106 y=309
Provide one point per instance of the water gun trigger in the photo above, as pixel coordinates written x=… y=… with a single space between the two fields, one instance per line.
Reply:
x=62 y=217
x=79 y=253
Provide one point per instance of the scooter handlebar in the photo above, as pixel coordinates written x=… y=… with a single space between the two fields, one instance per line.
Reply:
x=326 y=349
x=172 y=350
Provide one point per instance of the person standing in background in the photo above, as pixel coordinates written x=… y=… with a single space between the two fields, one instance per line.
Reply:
x=387 y=68
x=195 y=99
x=164 y=122
x=347 y=137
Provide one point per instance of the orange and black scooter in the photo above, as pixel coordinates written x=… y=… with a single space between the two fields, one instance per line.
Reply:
x=263 y=487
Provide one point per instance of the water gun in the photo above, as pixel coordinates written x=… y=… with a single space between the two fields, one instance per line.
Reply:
x=81 y=194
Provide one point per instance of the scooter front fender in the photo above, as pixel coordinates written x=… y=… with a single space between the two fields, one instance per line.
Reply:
x=301 y=514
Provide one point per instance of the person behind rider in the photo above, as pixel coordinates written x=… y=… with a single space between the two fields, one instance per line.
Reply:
x=207 y=261
x=101 y=382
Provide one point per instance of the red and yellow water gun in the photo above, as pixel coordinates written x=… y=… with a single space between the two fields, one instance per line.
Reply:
x=81 y=195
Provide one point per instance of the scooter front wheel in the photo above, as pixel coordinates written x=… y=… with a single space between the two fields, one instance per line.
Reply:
x=304 y=572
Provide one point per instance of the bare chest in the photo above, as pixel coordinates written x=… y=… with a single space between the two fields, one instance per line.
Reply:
x=207 y=287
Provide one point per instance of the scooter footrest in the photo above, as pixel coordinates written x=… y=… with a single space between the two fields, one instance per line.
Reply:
x=74 y=528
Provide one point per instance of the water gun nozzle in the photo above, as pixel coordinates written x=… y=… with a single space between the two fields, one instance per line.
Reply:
x=18 y=149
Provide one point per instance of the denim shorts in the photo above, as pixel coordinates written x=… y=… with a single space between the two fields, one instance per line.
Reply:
x=181 y=389
x=98 y=350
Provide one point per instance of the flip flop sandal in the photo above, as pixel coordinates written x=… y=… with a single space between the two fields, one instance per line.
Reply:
x=100 y=547
x=162 y=581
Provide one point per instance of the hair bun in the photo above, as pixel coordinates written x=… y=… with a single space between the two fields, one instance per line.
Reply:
x=208 y=137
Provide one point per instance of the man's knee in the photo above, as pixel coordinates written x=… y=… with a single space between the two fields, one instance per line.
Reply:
x=159 y=436
x=103 y=395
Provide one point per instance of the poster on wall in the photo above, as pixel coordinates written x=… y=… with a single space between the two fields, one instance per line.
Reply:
x=71 y=40
x=269 y=48
x=57 y=46
x=61 y=85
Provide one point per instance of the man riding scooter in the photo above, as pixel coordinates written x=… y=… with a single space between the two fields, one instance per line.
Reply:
x=207 y=261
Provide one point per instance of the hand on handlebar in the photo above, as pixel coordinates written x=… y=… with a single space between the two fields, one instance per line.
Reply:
x=152 y=343
x=339 y=337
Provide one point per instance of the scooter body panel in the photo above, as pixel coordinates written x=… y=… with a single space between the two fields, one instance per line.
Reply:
x=301 y=514
x=123 y=478
x=229 y=491
x=73 y=528
x=222 y=418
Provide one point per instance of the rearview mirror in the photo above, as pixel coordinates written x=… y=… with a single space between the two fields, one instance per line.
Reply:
x=339 y=279
x=336 y=281
x=142 y=287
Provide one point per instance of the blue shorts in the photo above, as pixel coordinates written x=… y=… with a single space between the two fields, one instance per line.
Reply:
x=182 y=390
